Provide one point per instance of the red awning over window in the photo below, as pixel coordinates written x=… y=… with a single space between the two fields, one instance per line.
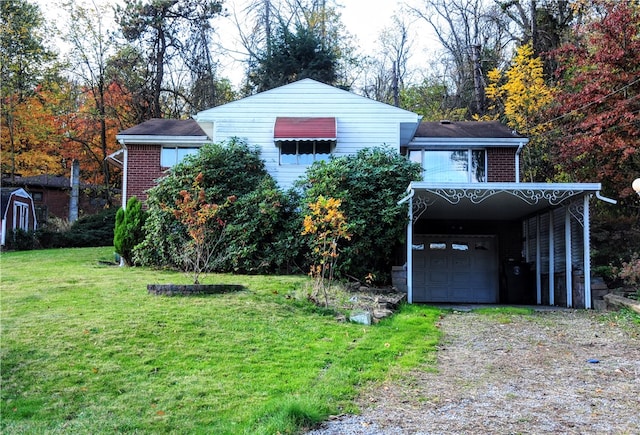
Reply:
x=305 y=129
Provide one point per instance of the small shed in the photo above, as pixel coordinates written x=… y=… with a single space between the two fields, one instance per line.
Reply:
x=18 y=211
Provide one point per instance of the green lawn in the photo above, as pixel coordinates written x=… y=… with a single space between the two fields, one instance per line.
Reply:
x=85 y=350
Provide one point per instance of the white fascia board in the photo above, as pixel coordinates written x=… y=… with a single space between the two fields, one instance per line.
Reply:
x=585 y=187
x=471 y=142
x=21 y=193
x=162 y=140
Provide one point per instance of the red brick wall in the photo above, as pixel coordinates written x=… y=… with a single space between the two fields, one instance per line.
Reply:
x=143 y=169
x=55 y=201
x=501 y=165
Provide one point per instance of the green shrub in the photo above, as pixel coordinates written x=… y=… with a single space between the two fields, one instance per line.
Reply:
x=258 y=236
x=264 y=233
x=128 y=231
x=369 y=184
x=88 y=231
x=20 y=240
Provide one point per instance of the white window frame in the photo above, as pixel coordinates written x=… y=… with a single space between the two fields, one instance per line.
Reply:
x=315 y=155
x=20 y=215
x=167 y=161
x=469 y=152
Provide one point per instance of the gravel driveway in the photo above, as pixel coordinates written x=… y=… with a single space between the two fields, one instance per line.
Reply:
x=560 y=372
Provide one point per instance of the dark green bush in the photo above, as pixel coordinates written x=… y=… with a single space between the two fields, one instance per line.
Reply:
x=128 y=231
x=20 y=240
x=369 y=184
x=90 y=230
x=257 y=236
x=264 y=233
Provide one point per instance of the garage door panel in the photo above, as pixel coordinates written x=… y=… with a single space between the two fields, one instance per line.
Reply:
x=455 y=269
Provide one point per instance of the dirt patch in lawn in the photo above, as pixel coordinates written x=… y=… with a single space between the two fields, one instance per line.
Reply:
x=565 y=371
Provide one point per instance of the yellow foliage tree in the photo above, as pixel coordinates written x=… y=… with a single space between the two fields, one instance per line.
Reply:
x=520 y=94
x=518 y=97
x=326 y=224
x=29 y=143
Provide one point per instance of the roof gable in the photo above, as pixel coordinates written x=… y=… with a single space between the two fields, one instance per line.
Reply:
x=5 y=197
x=305 y=92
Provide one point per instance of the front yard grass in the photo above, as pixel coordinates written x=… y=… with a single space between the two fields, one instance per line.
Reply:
x=85 y=350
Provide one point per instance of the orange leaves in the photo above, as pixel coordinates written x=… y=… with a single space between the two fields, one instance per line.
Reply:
x=195 y=213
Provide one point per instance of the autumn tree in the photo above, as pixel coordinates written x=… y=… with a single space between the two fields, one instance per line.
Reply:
x=325 y=225
x=101 y=107
x=31 y=141
x=25 y=61
x=204 y=226
x=518 y=97
x=598 y=112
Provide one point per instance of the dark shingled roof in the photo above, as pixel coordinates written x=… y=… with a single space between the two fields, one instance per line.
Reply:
x=165 y=127
x=39 y=181
x=465 y=129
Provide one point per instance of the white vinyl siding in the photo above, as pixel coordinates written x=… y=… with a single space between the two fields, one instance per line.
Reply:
x=360 y=122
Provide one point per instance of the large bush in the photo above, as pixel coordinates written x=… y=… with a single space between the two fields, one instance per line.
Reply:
x=90 y=230
x=369 y=184
x=257 y=235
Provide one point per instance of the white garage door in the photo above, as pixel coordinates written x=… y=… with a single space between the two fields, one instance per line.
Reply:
x=457 y=269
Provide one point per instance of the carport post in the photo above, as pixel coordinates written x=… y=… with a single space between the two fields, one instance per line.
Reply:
x=552 y=259
x=409 y=264
x=567 y=257
x=586 y=255
x=538 y=263
x=410 y=253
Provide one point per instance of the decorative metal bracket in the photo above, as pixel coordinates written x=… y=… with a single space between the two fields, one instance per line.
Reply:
x=476 y=196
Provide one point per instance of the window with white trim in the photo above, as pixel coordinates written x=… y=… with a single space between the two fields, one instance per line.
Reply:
x=452 y=166
x=20 y=215
x=171 y=156
x=304 y=152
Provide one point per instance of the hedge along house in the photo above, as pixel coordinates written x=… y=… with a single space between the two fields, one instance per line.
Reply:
x=476 y=234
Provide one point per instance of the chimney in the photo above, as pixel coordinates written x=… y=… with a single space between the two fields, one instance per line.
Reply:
x=75 y=191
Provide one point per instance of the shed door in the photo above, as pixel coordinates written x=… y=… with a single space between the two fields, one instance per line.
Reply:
x=458 y=269
x=20 y=216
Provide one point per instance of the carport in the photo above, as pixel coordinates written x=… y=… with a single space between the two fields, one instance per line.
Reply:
x=499 y=243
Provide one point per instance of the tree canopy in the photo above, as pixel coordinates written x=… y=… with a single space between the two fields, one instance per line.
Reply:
x=597 y=115
x=294 y=56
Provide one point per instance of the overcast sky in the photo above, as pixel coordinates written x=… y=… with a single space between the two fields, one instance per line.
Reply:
x=363 y=18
